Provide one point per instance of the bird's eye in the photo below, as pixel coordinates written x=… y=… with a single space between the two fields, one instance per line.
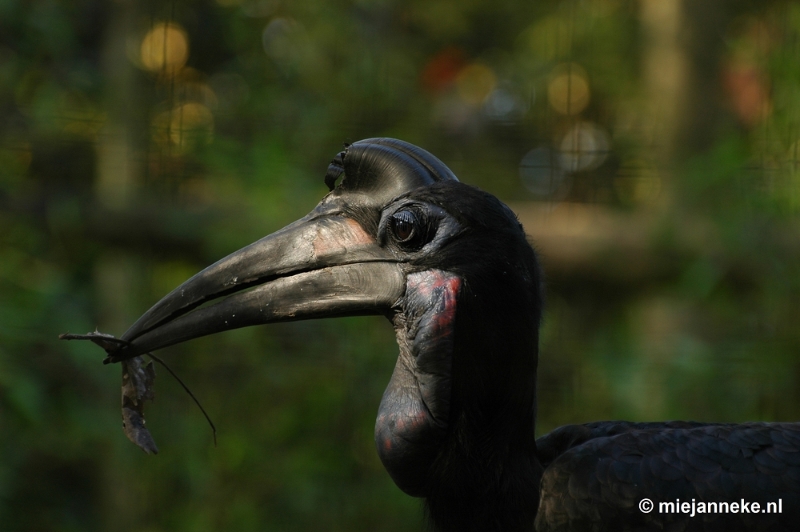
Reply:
x=410 y=228
x=404 y=226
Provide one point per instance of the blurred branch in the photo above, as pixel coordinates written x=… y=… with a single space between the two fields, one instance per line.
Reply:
x=145 y=227
x=592 y=241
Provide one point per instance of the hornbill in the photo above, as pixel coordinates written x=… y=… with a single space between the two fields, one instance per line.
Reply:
x=452 y=270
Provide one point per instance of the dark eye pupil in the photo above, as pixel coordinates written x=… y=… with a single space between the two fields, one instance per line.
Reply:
x=403 y=225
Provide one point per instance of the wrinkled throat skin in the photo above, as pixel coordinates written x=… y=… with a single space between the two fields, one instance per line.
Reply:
x=413 y=414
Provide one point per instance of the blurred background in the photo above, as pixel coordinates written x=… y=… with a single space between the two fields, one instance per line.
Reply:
x=650 y=148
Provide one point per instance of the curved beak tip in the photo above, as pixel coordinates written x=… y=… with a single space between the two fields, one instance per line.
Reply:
x=320 y=266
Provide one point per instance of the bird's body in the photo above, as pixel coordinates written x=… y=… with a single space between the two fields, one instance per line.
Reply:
x=451 y=268
x=698 y=476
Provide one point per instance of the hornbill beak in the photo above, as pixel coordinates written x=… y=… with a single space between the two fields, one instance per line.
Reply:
x=327 y=264
x=360 y=251
x=324 y=265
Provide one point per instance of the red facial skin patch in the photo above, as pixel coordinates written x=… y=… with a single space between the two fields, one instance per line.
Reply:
x=440 y=290
x=413 y=416
x=341 y=237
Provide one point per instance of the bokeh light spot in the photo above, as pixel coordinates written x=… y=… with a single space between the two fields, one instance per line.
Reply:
x=475 y=82
x=186 y=127
x=584 y=147
x=165 y=48
x=504 y=104
x=278 y=38
x=747 y=86
x=568 y=90
x=541 y=173
x=191 y=87
x=442 y=69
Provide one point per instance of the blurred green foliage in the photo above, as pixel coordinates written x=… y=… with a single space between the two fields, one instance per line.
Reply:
x=119 y=180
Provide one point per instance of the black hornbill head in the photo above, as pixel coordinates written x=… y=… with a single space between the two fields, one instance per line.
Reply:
x=450 y=267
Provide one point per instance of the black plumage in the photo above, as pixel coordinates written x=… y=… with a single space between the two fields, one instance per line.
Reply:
x=450 y=267
x=599 y=472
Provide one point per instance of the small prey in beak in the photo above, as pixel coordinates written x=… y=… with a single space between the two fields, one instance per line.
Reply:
x=336 y=261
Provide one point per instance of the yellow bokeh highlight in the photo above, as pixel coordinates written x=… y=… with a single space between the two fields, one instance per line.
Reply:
x=190 y=86
x=475 y=82
x=568 y=91
x=187 y=126
x=165 y=48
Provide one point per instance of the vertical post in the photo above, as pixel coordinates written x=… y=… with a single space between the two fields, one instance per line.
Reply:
x=664 y=72
x=119 y=170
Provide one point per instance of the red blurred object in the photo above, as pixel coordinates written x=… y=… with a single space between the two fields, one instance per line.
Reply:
x=442 y=69
x=747 y=91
